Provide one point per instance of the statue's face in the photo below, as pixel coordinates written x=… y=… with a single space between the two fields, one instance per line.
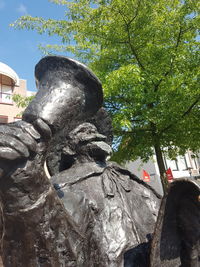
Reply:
x=86 y=139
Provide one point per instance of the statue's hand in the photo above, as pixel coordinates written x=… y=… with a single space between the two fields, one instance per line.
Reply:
x=17 y=140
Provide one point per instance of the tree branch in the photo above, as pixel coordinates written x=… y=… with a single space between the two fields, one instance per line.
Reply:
x=136 y=13
x=190 y=108
x=128 y=23
x=172 y=60
x=182 y=116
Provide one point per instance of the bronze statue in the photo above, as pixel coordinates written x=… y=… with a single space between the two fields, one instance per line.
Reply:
x=91 y=212
x=112 y=208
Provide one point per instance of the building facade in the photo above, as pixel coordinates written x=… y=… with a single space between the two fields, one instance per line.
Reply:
x=183 y=166
x=10 y=84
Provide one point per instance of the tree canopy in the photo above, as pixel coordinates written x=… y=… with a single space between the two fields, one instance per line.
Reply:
x=146 y=53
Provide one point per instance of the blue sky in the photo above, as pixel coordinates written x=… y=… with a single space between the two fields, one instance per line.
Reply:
x=18 y=48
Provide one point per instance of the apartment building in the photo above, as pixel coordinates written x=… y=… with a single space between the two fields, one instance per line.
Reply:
x=10 y=84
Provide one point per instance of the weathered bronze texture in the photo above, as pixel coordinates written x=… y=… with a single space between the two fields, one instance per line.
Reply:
x=91 y=212
x=176 y=240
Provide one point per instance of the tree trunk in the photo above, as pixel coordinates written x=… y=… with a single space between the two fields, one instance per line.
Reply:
x=161 y=166
x=159 y=157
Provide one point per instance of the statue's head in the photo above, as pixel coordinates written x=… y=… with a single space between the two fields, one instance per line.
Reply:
x=67 y=91
x=89 y=140
x=87 y=143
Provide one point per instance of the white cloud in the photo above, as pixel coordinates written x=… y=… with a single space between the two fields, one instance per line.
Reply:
x=2 y=4
x=22 y=9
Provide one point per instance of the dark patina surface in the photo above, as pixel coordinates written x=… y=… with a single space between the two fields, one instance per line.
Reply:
x=91 y=212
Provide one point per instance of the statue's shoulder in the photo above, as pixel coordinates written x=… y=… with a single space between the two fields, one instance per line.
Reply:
x=78 y=172
x=132 y=177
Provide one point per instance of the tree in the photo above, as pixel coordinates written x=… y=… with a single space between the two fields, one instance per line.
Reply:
x=146 y=53
x=22 y=101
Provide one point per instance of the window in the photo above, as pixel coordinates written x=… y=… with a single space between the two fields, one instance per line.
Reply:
x=182 y=163
x=174 y=165
x=6 y=94
x=6 y=89
x=165 y=162
x=188 y=161
x=194 y=161
x=3 y=119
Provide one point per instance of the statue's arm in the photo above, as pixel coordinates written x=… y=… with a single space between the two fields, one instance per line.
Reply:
x=35 y=224
x=17 y=140
x=22 y=152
